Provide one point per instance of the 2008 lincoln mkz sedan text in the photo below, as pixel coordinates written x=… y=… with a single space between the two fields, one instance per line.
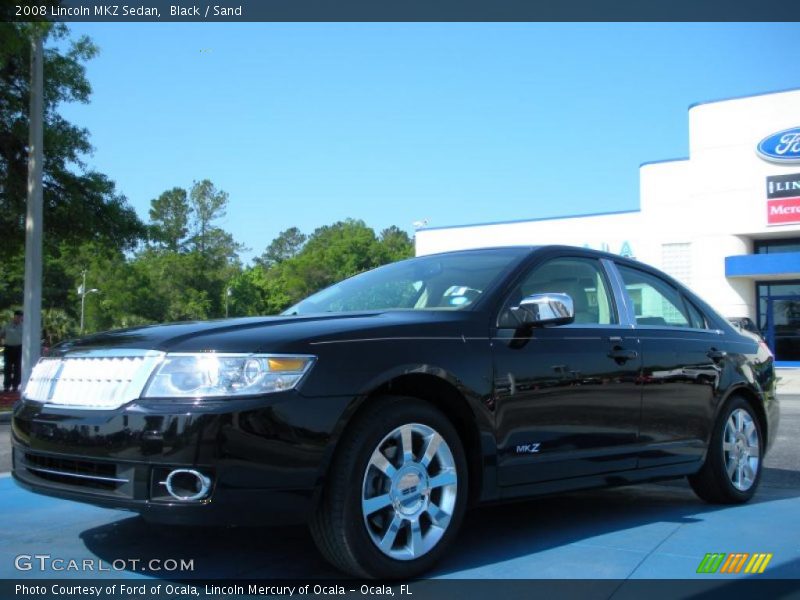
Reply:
x=381 y=408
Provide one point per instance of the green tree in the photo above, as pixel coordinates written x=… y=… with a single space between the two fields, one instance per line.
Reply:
x=169 y=219
x=108 y=270
x=285 y=246
x=395 y=244
x=334 y=252
x=80 y=204
x=57 y=326
x=171 y=286
x=208 y=204
x=187 y=270
x=250 y=293
x=331 y=253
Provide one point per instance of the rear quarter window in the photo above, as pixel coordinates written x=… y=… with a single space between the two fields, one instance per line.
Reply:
x=696 y=318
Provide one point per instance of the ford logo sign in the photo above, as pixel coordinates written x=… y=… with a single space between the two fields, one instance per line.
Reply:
x=781 y=147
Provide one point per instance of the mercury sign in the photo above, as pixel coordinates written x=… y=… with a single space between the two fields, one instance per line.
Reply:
x=781 y=147
x=783 y=199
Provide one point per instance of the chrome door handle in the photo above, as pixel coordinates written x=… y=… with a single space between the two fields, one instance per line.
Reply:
x=622 y=355
x=715 y=354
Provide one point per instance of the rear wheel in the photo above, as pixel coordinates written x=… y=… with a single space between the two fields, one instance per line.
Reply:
x=732 y=469
x=396 y=493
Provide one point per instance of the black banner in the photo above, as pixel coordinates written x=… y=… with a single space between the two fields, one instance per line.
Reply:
x=401 y=10
x=783 y=186
x=702 y=588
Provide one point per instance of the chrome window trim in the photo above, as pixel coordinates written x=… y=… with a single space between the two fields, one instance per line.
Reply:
x=679 y=328
x=625 y=310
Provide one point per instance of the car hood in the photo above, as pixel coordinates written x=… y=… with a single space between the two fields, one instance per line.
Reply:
x=275 y=334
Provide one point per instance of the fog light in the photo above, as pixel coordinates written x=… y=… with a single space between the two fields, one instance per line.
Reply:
x=187 y=485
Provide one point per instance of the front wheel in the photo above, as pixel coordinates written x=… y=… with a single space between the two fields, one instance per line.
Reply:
x=396 y=493
x=732 y=469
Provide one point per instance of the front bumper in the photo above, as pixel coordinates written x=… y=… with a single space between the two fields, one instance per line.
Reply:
x=265 y=456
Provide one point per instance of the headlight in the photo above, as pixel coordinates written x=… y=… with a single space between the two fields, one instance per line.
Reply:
x=209 y=374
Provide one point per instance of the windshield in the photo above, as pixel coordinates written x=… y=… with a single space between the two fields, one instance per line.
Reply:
x=438 y=282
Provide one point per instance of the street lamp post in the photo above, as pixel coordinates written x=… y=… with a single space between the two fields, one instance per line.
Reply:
x=83 y=291
x=228 y=293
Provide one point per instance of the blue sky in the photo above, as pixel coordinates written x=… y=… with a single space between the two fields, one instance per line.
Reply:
x=306 y=124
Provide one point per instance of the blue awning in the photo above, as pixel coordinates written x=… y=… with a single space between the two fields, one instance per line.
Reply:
x=786 y=264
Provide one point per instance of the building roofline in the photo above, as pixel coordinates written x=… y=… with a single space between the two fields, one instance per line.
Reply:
x=598 y=214
x=664 y=160
x=742 y=97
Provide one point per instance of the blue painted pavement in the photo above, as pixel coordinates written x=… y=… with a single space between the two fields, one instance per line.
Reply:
x=648 y=531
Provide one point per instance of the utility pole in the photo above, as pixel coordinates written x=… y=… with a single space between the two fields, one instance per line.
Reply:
x=228 y=293
x=32 y=300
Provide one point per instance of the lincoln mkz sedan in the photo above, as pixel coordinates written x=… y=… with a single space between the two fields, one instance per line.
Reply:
x=379 y=409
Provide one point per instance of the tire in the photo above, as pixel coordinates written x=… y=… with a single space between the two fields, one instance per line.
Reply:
x=733 y=465
x=379 y=493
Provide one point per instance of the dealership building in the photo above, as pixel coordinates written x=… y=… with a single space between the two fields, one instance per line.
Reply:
x=725 y=221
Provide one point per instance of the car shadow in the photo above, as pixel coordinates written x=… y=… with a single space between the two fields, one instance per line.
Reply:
x=499 y=533
x=216 y=552
x=491 y=534
x=779 y=478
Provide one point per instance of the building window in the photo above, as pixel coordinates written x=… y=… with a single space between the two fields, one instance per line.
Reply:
x=776 y=246
x=779 y=317
x=676 y=260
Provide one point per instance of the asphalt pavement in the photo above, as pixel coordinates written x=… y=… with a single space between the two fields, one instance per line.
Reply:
x=648 y=531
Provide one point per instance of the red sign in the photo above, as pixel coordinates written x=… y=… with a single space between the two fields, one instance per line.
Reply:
x=783 y=210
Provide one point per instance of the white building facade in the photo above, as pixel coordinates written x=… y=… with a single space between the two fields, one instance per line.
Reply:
x=725 y=221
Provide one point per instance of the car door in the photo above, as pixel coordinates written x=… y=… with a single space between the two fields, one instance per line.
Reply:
x=567 y=399
x=681 y=365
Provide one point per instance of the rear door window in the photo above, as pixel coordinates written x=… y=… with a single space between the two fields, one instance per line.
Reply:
x=655 y=302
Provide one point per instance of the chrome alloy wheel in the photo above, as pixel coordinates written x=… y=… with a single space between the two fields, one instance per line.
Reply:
x=741 y=449
x=409 y=491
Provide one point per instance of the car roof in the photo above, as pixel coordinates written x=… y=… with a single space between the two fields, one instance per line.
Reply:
x=720 y=321
x=541 y=248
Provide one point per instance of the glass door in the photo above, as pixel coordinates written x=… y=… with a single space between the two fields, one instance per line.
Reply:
x=783 y=327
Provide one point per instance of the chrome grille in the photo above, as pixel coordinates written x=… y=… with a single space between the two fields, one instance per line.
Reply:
x=77 y=473
x=74 y=472
x=42 y=379
x=100 y=379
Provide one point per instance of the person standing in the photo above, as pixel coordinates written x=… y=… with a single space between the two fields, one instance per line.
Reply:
x=11 y=334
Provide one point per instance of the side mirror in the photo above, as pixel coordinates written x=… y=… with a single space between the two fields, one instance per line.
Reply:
x=545 y=309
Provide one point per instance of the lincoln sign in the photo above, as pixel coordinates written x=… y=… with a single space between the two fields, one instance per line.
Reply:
x=783 y=199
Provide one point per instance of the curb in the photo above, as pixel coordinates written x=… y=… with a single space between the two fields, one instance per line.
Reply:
x=791 y=387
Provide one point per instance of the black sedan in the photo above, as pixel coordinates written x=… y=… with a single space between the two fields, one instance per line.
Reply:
x=379 y=409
